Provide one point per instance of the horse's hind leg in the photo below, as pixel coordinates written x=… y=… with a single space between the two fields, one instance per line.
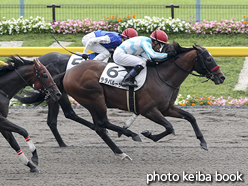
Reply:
x=179 y=113
x=53 y=111
x=103 y=134
x=10 y=138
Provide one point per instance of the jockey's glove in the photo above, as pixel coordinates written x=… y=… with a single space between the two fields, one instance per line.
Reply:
x=171 y=54
x=149 y=61
x=85 y=56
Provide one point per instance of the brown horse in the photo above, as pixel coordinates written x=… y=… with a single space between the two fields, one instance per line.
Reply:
x=154 y=100
x=13 y=77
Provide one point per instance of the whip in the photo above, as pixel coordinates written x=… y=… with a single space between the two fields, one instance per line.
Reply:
x=77 y=53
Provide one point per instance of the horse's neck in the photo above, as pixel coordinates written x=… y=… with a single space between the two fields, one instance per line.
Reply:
x=12 y=83
x=177 y=71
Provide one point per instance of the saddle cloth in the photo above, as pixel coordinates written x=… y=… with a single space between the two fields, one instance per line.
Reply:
x=75 y=59
x=113 y=74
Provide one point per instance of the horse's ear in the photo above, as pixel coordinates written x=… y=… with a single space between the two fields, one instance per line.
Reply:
x=37 y=63
x=195 y=47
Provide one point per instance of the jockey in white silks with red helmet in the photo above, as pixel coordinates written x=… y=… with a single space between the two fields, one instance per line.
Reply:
x=99 y=41
x=137 y=51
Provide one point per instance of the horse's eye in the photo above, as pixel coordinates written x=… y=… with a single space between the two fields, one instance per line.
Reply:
x=45 y=75
x=209 y=59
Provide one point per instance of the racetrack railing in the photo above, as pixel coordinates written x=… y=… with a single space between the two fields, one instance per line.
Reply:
x=39 y=51
x=100 y=11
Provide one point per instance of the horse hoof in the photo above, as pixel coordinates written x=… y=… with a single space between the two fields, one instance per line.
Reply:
x=34 y=170
x=124 y=156
x=136 y=138
x=127 y=158
x=119 y=134
x=173 y=132
x=63 y=145
x=146 y=133
x=35 y=160
x=204 y=146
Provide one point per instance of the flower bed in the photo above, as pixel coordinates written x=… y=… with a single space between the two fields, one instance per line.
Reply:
x=21 y=25
x=115 y=23
x=196 y=100
x=84 y=26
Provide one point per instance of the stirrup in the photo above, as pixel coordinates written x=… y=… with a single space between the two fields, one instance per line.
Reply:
x=128 y=83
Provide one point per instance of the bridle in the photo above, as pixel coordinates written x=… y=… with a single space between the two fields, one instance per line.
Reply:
x=37 y=77
x=202 y=67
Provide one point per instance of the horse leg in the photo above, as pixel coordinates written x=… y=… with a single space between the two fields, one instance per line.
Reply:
x=130 y=121
x=11 y=140
x=70 y=114
x=102 y=132
x=104 y=123
x=53 y=111
x=6 y=125
x=179 y=113
x=156 y=116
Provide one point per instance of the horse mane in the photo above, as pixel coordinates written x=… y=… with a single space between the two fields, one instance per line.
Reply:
x=175 y=46
x=13 y=63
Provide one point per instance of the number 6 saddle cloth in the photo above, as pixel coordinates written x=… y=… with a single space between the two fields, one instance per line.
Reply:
x=113 y=74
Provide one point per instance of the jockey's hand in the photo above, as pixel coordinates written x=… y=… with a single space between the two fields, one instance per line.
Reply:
x=172 y=53
x=85 y=56
x=149 y=61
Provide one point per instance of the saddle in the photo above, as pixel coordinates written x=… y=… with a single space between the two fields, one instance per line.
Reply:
x=113 y=74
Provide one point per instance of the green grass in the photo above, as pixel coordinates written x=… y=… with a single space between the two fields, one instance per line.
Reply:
x=231 y=66
x=99 y=12
x=220 y=2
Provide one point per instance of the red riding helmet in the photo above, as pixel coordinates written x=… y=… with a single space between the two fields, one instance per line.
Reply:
x=160 y=36
x=129 y=33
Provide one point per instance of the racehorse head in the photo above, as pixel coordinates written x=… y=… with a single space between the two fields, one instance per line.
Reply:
x=204 y=63
x=207 y=66
x=44 y=82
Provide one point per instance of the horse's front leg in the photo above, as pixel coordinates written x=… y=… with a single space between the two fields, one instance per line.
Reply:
x=13 y=143
x=156 y=116
x=179 y=113
x=8 y=126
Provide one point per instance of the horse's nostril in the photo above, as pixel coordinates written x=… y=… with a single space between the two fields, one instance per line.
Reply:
x=223 y=78
x=58 y=94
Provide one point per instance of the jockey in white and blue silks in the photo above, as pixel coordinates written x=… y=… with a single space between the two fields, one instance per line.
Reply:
x=136 y=51
x=99 y=41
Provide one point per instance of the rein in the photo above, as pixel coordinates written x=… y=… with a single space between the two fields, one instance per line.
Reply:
x=36 y=75
x=22 y=78
x=189 y=72
x=198 y=58
x=165 y=81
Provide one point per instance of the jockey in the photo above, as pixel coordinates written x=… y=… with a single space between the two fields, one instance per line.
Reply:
x=137 y=51
x=99 y=41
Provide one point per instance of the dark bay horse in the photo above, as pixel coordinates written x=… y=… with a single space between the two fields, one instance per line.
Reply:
x=154 y=100
x=13 y=77
x=56 y=63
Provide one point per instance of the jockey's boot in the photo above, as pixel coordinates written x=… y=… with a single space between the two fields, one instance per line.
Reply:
x=129 y=78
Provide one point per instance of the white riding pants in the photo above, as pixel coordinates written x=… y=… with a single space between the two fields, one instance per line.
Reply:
x=122 y=58
x=91 y=42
